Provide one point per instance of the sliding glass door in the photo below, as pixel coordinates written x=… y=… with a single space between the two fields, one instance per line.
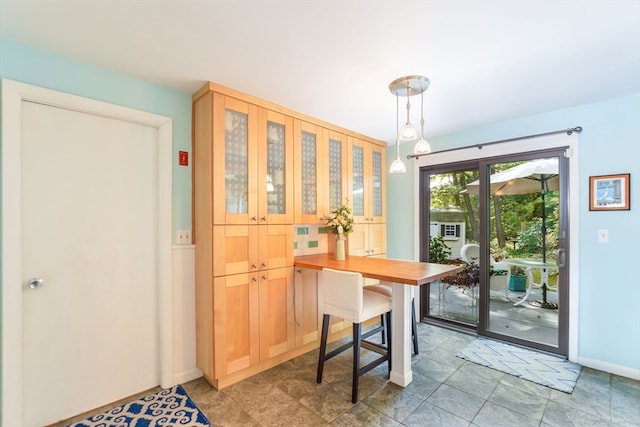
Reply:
x=505 y=220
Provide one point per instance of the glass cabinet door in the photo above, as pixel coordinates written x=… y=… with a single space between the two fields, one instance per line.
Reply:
x=236 y=160
x=234 y=170
x=336 y=193
x=275 y=177
x=307 y=169
x=358 y=193
x=378 y=200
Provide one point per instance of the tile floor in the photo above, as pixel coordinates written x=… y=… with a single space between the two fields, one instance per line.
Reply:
x=446 y=391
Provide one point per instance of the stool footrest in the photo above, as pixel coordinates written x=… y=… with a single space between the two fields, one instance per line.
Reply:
x=373 y=364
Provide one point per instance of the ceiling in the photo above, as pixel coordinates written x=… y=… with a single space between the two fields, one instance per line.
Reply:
x=488 y=60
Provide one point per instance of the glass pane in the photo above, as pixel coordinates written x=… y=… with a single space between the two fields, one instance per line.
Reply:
x=309 y=175
x=377 y=184
x=524 y=218
x=276 y=173
x=335 y=174
x=236 y=147
x=454 y=221
x=358 y=181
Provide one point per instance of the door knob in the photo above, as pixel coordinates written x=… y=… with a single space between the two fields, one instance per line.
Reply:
x=35 y=283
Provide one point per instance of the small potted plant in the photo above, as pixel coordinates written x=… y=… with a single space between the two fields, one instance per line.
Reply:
x=518 y=280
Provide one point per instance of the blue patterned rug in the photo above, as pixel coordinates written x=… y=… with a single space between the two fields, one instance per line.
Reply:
x=544 y=369
x=167 y=408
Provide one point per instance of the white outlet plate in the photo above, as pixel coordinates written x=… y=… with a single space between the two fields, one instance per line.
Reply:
x=183 y=237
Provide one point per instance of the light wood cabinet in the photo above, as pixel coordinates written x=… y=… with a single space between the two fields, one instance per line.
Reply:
x=367 y=188
x=259 y=306
x=309 y=171
x=252 y=178
x=258 y=169
x=249 y=248
x=334 y=180
x=277 y=321
x=307 y=314
x=368 y=240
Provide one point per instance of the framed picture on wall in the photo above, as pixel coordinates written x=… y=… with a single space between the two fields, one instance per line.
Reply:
x=609 y=192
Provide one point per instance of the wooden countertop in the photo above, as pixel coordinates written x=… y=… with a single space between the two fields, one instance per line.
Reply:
x=390 y=270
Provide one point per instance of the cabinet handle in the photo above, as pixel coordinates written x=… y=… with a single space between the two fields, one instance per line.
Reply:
x=264 y=277
x=254 y=218
x=254 y=279
x=254 y=266
x=264 y=218
x=299 y=270
x=264 y=264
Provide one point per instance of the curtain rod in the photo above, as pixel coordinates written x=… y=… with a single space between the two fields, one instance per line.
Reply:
x=480 y=146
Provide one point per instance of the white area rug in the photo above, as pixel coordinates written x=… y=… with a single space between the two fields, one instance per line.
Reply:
x=544 y=369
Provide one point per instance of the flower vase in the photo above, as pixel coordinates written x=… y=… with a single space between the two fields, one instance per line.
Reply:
x=339 y=253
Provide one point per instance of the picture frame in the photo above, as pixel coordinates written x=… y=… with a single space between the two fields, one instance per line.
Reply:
x=609 y=192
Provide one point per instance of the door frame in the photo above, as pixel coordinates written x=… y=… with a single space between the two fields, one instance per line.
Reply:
x=13 y=95
x=520 y=146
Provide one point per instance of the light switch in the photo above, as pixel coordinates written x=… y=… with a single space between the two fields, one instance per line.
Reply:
x=603 y=235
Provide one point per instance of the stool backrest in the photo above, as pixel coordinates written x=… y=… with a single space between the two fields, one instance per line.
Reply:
x=342 y=294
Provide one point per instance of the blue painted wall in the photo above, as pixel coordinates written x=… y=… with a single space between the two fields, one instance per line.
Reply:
x=609 y=304
x=25 y=64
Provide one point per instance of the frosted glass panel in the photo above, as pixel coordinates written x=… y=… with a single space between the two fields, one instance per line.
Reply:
x=377 y=184
x=358 y=181
x=335 y=174
x=276 y=173
x=309 y=175
x=236 y=166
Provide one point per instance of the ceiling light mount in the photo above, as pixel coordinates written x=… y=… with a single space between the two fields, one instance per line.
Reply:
x=409 y=85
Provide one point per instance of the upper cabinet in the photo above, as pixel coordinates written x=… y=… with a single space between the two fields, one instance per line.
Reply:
x=308 y=168
x=252 y=168
x=275 y=167
x=367 y=181
x=335 y=180
x=367 y=190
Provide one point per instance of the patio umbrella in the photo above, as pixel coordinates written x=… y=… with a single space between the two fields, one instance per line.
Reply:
x=540 y=175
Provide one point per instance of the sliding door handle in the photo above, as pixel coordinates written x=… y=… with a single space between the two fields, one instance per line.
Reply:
x=561 y=258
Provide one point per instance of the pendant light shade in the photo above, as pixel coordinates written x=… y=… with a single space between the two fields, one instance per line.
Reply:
x=408 y=133
x=409 y=86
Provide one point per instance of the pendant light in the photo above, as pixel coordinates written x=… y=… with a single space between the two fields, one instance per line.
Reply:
x=408 y=132
x=409 y=86
x=422 y=146
x=397 y=166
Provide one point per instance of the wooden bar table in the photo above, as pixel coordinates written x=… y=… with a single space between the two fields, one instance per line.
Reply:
x=400 y=273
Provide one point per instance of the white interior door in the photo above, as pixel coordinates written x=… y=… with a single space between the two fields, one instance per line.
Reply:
x=86 y=205
x=89 y=191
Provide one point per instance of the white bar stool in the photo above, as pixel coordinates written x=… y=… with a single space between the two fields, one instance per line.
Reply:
x=344 y=296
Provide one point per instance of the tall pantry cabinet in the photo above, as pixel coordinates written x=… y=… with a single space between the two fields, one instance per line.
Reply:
x=243 y=228
x=252 y=181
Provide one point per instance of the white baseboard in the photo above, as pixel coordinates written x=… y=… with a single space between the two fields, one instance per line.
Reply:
x=623 y=371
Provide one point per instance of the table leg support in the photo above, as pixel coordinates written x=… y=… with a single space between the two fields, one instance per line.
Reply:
x=401 y=335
